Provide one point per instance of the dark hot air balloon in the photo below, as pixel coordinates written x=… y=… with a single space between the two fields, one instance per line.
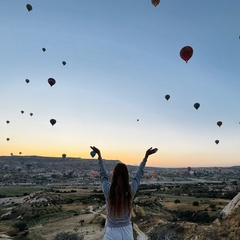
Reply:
x=92 y=153
x=63 y=63
x=217 y=141
x=43 y=49
x=137 y=120
x=20 y=153
x=22 y=112
x=7 y=121
x=7 y=139
x=29 y=7
x=219 y=123
x=53 y=121
x=51 y=81
x=155 y=2
x=64 y=155
x=167 y=97
x=27 y=80
x=31 y=114
x=186 y=53
x=196 y=105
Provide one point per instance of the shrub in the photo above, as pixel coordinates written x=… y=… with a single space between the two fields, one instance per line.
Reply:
x=195 y=203
x=212 y=206
x=185 y=214
x=167 y=232
x=103 y=222
x=69 y=201
x=201 y=216
x=68 y=236
x=21 y=226
x=81 y=222
x=177 y=201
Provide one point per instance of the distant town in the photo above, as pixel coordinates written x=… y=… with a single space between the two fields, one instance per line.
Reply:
x=36 y=170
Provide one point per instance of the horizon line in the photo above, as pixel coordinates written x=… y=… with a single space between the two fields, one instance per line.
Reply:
x=114 y=160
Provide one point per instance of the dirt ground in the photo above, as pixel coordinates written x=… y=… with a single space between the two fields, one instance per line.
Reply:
x=91 y=228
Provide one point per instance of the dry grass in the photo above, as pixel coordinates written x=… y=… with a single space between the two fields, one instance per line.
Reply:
x=184 y=206
x=91 y=228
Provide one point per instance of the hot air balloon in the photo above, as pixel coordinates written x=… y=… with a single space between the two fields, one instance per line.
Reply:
x=196 y=105
x=7 y=139
x=64 y=155
x=51 y=81
x=29 y=7
x=92 y=153
x=7 y=121
x=53 y=121
x=20 y=153
x=186 y=53
x=27 y=80
x=219 y=123
x=11 y=154
x=217 y=141
x=31 y=114
x=155 y=2
x=22 y=112
x=137 y=120
x=43 y=49
x=167 y=97
x=63 y=63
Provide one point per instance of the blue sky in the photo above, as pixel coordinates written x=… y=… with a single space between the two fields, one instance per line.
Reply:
x=122 y=59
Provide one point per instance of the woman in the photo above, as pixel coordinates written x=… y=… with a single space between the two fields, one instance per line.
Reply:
x=119 y=195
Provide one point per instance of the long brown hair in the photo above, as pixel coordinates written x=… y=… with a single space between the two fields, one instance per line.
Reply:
x=120 y=191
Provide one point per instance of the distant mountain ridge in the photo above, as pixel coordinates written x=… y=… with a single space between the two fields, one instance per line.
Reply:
x=22 y=157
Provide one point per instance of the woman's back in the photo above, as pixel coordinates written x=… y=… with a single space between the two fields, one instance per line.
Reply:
x=119 y=195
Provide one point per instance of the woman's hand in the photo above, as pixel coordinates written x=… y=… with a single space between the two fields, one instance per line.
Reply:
x=96 y=150
x=150 y=151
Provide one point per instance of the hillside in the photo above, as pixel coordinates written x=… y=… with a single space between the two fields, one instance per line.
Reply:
x=223 y=228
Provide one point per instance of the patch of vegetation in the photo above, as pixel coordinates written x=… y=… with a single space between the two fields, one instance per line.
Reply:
x=68 y=236
x=177 y=201
x=21 y=226
x=212 y=206
x=171 y=231
x=195 y=203
x=14 y=191
x=194 y=216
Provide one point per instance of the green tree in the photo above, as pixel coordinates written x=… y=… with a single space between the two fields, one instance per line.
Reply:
x=195 y=203
x=201 y=216
x=212 y=206
x=177 y=201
